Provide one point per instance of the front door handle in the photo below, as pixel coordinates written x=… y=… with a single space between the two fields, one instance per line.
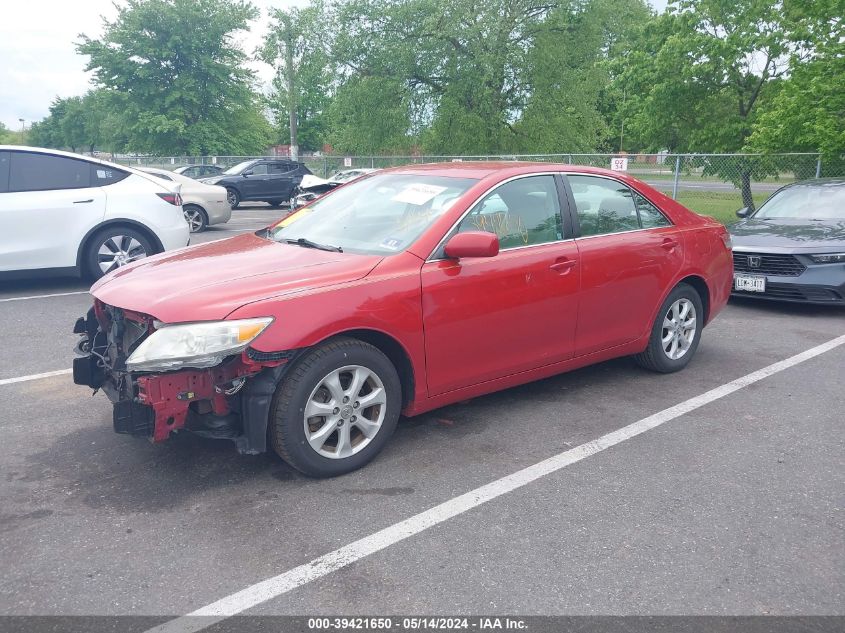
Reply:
x=669 y=244
x=563 y=266
x=83 y=201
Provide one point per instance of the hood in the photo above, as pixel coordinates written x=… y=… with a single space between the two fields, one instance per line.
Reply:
x=789 y=235
x=207 y=282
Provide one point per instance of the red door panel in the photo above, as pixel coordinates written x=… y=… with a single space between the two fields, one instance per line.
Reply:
x=490 y=317
x=623 y=277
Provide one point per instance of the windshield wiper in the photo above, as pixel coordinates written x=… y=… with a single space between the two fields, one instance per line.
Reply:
x=309 y=244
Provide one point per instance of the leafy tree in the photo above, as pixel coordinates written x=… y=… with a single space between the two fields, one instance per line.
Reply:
x=180 y=76
x=297 y=45
x=808 y=113
x=570 y=107
x=696 y=79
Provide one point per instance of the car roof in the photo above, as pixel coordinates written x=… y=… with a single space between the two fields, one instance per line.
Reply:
x=483 y=169
x=90 y=159
x=833 y=180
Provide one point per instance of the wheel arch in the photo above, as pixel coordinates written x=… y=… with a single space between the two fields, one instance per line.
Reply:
x=703 y=291
x=122 y=222
x=395 y=352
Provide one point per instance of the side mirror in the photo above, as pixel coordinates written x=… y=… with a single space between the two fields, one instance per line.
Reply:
x=472 y=244
x=742 y=213
x=248 y=172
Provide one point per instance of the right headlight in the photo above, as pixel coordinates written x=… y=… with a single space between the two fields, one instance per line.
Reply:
x=197 y=345
x=829 y=258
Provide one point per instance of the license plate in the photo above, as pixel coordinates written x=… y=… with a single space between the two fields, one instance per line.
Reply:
x=749 y=283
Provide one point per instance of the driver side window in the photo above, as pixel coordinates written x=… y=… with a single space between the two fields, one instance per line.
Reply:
x=522 y=212
x=260 y=169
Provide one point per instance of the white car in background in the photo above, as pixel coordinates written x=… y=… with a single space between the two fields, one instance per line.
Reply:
x=203 y=204
x=65 y=214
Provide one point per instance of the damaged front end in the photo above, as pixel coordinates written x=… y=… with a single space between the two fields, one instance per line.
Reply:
x=170 y=383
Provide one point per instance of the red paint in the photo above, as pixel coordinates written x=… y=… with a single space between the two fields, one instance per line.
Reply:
x=468 y=326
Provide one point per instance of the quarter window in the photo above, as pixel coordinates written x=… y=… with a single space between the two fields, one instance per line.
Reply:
x=4 y=171
x=102 y=175
x=29 y=171
x=650 y=216
x=521 y=212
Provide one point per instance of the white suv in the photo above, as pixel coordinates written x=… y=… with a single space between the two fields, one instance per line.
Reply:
x=61 y=214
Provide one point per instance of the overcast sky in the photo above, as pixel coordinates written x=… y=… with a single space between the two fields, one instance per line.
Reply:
x=40 y=62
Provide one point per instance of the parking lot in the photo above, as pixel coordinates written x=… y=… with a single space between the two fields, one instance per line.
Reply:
x=732 y=508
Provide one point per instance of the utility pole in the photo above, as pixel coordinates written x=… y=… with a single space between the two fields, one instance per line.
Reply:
x=290 y=72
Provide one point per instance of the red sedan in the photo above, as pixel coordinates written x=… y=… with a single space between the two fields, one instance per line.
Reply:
x=399 y=293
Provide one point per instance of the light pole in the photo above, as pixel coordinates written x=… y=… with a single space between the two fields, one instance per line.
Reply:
x=23 y=127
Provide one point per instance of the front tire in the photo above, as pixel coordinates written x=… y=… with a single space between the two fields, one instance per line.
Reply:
x=233 y=197
x=113 y=247
x=676 y=332
x=336 y=409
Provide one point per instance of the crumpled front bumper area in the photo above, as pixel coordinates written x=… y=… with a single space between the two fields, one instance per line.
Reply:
x=231 y=400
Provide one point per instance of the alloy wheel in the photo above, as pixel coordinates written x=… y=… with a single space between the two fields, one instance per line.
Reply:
x=679 y=327
x=345 y=411
x=119 y=250
x=194 y=218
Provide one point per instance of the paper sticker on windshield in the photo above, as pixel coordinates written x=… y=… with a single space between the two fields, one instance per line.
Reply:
x=417 y=194
x=392 y=243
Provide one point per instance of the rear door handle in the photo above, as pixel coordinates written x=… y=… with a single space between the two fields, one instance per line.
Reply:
x=669 y=244
x=83 y=201
x=563 y=266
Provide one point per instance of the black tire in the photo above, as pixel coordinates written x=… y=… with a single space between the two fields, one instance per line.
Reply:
x=233 y=197
x=195 y=211
x=287 y=422
x=655 y=357
x=115 y=236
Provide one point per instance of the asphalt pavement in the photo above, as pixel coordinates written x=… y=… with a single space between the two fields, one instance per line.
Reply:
x=733 y=508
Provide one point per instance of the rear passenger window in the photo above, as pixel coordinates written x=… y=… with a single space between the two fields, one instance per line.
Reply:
x=650 y=216
x=603 y=205
x=4 y=171
x=29 y=171
x=102 y=175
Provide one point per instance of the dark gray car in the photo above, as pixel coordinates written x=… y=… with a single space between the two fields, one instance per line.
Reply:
x=793 y=247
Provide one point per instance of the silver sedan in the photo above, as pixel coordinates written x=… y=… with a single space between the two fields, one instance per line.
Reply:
x=203 y=204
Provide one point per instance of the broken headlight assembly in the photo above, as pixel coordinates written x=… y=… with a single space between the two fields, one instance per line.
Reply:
x=197 y=345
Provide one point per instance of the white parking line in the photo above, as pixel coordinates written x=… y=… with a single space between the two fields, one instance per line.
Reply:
x=48 y=374
x=57 y=294
x=298 y=576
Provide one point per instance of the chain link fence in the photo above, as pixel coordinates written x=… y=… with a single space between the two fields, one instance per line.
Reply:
x=711 y=184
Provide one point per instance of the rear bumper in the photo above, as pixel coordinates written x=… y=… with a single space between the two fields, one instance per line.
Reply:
x=173 y=237
x=218 y=212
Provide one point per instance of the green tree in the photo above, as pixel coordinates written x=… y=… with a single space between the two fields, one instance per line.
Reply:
x=808 y=113
x=298 y=45
x=180 y=76
x=696 y=78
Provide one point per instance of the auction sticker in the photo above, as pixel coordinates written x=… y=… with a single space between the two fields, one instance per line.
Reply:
x=417 y=194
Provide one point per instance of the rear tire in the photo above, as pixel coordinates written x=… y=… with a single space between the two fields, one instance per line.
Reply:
x=196 y=218
x=113 y=247
x=233 y=197
x=676 y=332
x=336 y=408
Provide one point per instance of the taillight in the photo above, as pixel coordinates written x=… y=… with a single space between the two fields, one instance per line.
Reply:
x=173 y=198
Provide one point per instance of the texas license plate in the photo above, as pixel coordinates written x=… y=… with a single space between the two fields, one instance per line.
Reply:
x=749 y=283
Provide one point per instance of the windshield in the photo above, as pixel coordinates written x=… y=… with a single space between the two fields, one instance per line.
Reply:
x=380 y=215
x=821 y=201
x=237 y=169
